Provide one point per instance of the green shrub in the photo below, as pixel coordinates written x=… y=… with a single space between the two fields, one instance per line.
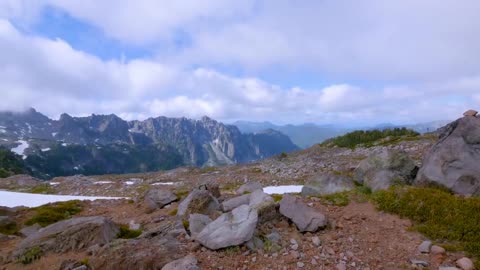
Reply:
x=436 y=213
x=51 y=213
x=339 y=198
x=9 y=229
x=283 y=155
x=277 y=197
x=173 y=212
x=367 y=138
x=126 y=233
x=31 y=255
x=42 y=189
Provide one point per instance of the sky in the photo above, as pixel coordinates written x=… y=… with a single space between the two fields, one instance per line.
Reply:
x=342 y=62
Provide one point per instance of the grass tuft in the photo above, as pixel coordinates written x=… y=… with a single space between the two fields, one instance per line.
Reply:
x=52 y=213
x=31 y=255
x=439 y=215
x=127 y=233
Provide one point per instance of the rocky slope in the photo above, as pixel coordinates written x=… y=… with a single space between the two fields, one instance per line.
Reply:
x=90 y=145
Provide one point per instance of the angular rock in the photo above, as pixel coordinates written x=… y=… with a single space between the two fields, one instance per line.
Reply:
x=198 y=202
x=187 y=263
x=235 y=202
x=249 y=187
x=197 y=222
x=71 y=234
x=424 y=247
x=437 y=250
x=465 y=264
x=327 y=184
x=230 y=229
x=387 y=168
x=255 y=244
x=470 y=113
x=453 y=161
x=158 y=198
x=307 y=219
x=27 y=231
x=214 y=188
x=265 y=206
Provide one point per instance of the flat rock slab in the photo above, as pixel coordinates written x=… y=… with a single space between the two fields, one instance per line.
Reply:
x=307 y=219
x=71 y=234
x=187 y=263
x=158 y=198
x=230 y=229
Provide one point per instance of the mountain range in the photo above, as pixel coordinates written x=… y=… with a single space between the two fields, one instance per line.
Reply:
x=306 y=135
x=100 y=144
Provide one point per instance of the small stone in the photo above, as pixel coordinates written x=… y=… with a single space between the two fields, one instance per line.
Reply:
x=314 y=262
x=341 y=266
x=300 y=264
x=437 y=250
x=254 y=259
x=294 y=247
x=465 y=264
x=316 y=241
x=416 y=262
x=424 y=247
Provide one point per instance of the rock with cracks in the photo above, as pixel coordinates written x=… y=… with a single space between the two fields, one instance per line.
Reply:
x=71 y=234
x=230 y=229
x=325 y=184
x=453 y=162
x=198 y=202
x=157 y=198
x=307 y=219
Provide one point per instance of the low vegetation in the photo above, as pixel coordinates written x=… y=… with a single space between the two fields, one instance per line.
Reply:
x=51 y=213
x=42 y=189
x=127 y=233
x=438 y=214
x=10 y=163
x=31 y=255
x=370 y=137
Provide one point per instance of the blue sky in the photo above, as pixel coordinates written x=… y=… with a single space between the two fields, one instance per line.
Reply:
x=326 y=62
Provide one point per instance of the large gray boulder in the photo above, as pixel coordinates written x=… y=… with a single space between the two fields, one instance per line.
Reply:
x=387 y=168
x=158 y=198
x=249 y=187
x=198 y=202
x=265 y=206
x=230 y=229
x=325 y=184
x=188 y=262
x=307 y=219
x=71 y=234
x=197 y=222
x=454 y=161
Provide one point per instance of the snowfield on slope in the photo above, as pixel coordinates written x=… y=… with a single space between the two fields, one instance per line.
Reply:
x=283 y=189
x=14 y=199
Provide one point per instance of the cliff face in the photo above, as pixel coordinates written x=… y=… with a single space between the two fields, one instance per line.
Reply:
x=203 y=142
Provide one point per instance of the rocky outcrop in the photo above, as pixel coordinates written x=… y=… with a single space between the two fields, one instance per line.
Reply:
x=235 y=202
x=230 y=229
x=197 y=222
x=158 y=198
x=198 y=202
x=389 y=167
x=453 y=162
x=327 y=184
x=71 y=234
x=265 y=206
x=186 y=263
x=307 y=219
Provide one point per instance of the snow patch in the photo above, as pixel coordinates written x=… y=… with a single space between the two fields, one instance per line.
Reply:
x=21 y=148
x=54 y=183
x=46 y=149
x=129 y=183
x=283 y=189
x=2 y=130
x=103 y=182
x=163 y=184
x=14 y=199
x=64 y=144
x=54 y=134
x=5 y=140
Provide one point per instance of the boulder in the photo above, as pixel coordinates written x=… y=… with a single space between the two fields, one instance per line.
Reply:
x=197 y=222
x=7 y=224
x=465 y=264
x=230 y=229
x=71 y=234
x=214 y=188
x=470 y=113
x=158 y=198
x=27 y=231
x=198 y=202
x=307 y=219
x=249 y=187
x=325 y=184
x=453 y=162
x=424 y=247
x=186 y=263
x=387 y=168
x=235 y=202
x=265 y=206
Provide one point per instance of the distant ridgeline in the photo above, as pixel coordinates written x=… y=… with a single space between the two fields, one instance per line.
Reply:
x=104 y=144
x=371 y=137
